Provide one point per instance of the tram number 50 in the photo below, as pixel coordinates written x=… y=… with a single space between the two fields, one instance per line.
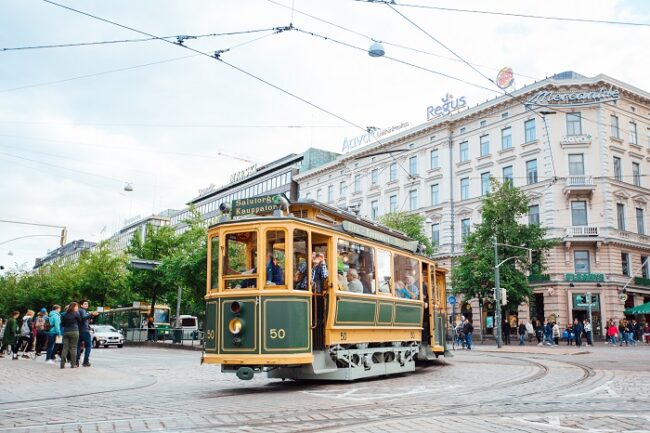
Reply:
x=210 y=334
x=277 y=334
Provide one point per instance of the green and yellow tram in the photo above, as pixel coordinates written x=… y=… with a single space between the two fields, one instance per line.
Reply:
x=308 y=291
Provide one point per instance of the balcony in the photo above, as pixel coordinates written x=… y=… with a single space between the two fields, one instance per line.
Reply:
x=581 y=231
x=579 y=184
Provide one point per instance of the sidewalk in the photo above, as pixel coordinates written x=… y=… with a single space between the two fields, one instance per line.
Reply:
x=561 y=349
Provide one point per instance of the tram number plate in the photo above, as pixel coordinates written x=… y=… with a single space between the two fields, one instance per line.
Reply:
x=412 y=334
x=277 y=334
x=210 y=334
x=344 y=336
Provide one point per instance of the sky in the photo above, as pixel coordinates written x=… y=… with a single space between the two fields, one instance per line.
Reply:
x=79 y=123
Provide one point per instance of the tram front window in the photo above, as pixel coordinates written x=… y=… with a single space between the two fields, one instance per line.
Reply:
x=240 y=260
x=275 y=258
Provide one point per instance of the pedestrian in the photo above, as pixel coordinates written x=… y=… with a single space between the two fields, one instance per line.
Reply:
x=3 y=325
x=577 y=330
x=467 y=330
x=54 y=334
x=10 y=337
x=70 y=322
x=621 y=330
x=84 y=332
x=556 y=333
x=522 y=333
x=42 y=328
x=646 y=333
x=26 y=339
x=548 y=332
x=151 y=329
x=638 y=331
x=629 y=332
x=530 y=330
x=570 y=334
x=588 y=332
x=539 y=332
x=612 y=333
x=507 y=329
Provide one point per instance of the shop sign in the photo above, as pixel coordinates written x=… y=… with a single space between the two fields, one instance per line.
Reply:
x=372 y=135
x=360 y=230
x=243 y=174
x=255 y=205
x=575 y=98
x=539 y=278
x=585 y=278
x=582 y=301
x=576 y=139
x=448 y=106
x=640 y=281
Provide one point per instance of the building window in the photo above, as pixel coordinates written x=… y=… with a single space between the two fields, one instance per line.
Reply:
x=507 y=174
x=645 y=267
x=640 y=221
x=464 y=188
x=435 y=194
x=485 y=145
x=413 y=199
x=462 y=130
x=374 y=209
x=625 y=264
x=616 y=133
x=636 y=173
x=576 y=164
x=504 y=115
x=392 y=172
x=392 y=203
x=618 y=169
x=482 y=123
x=529 y=130
x=435 y=234
x=330 y=193
x=465 y=227
x=506 y=138
x=581 y=262
x=531 y=171
x=343 y=189
x=374 y=176
x=573 y=124
x=464 y=151
x=435 y=161
x=634 y=137
x=533 y=214
x=620 y=216
x=579 y=213
x=357 y=183
x=319 y=194
x=485 y=183
x=413 y=166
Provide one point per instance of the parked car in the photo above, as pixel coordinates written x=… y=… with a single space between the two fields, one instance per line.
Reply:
x=106 y=335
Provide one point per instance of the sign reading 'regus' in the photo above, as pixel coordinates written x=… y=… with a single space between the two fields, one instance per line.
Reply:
x=575 y=98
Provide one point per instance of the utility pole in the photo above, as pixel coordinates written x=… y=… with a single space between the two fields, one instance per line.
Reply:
x=497 y=293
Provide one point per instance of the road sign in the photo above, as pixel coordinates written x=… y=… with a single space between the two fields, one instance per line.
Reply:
x=451 y=300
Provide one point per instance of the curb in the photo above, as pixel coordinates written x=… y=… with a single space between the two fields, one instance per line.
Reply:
x=170 y=346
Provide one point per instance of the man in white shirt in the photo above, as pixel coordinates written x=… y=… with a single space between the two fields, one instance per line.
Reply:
x=354 y=285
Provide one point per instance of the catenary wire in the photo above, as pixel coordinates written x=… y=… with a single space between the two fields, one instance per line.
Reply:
x=176 y=125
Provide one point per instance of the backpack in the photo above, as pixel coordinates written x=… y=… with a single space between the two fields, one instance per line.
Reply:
x=42 y=324
x=25 y=328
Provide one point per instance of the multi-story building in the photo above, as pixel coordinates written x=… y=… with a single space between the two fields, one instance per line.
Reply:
x=120 y=241
x=67 y=253
x=578 y=147
x=273 y=178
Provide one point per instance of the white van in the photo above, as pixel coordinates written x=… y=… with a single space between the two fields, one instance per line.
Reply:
x=190 y=326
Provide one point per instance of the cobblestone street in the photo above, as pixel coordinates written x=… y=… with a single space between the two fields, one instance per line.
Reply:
x=145 y=389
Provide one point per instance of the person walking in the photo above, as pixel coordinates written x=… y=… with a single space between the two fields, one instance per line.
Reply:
x=570 y=334
x=467 y=330
x=151 y=329
x=10 y=337
x=556 y=333
x=612 y=332
x=42 y=327
x=26 y=339
x=629 y=333
x=54 y=333
x=588 y=330
x=577 y=329
x=548 y=333
x=521 y=330
x=621 y=330
x=84 y=332
x=530 y=330
x=70 y=321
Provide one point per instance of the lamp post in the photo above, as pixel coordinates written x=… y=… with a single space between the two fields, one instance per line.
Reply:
x=588 y=296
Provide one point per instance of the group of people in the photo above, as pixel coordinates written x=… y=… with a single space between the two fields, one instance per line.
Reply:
x=58 y=332
x=629 y=332
x=548 y=333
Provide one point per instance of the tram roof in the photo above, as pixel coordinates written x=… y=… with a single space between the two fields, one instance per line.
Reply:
x=337 y=219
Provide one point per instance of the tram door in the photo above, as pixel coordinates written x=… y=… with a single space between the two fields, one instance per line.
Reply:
x=320 y=245
x=428 y=324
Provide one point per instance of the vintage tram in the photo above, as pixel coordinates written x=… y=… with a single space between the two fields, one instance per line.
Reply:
x=308 y=291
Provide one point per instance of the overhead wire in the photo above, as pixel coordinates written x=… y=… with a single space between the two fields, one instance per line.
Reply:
x=173 y=125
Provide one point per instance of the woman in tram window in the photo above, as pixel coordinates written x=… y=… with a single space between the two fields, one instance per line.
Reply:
x=318 y=272
x=400 y=289
x=274 y=272
x=412 y=290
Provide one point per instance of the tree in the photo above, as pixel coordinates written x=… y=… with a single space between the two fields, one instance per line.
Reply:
x=102 y=276
x=410 y=224
x=473 y=275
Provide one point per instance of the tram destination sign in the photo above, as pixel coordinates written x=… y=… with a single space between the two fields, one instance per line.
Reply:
x=254 y=205
x=360 y=230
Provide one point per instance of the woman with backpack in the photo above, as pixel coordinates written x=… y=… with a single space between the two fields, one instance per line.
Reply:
x=42 y=327
x=26 y=341
x=10 y=337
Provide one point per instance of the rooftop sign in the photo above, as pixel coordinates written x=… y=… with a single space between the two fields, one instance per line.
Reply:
x=448 y=106
x=573 y=99
x=243 y=174
x=360 y=230
x=370 y=136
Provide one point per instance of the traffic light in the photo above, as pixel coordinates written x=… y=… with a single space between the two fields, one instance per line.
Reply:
x=64 y=236
x=504 y=296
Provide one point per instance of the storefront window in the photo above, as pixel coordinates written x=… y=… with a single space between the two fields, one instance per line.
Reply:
x=383 y=271
x=241 y=259
x=355 y=267
x=275 y=259
x=407 y=281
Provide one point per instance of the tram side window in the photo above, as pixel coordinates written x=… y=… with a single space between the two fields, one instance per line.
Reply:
x=407 y=274
x=275 y=260
x=240 y=259
x=300 y=265
x=355 y=267
x=214 y=263
x=383 y=271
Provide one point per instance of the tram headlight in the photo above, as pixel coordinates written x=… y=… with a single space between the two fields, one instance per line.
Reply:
x=235 y=325
x=235 y=307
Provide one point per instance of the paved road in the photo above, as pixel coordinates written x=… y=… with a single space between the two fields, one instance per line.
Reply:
x=533 y=389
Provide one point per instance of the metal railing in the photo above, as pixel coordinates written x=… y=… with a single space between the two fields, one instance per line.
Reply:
x=170 y=336
x=582 y=231
x=579 y=181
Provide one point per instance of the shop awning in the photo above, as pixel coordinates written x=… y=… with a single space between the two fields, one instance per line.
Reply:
x=639 y=309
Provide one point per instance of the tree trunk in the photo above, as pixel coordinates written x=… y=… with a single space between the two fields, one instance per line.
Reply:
x=153 y=302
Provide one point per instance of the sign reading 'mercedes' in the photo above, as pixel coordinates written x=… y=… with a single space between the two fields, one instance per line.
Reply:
x=574 y=98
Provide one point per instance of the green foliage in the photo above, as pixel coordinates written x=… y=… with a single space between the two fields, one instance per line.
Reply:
x=410 y=224
x=473 y=275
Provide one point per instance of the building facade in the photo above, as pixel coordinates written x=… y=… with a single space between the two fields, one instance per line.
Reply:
x=580 y=150
x=67 y=253
x=276 y=177
x=120 y=241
